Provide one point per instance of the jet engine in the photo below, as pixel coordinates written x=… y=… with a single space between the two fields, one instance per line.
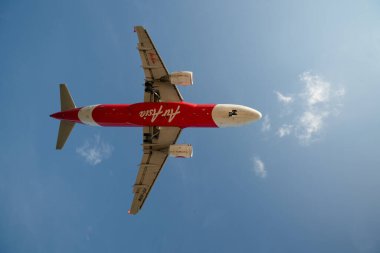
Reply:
x=181 y=150
x=183 y=78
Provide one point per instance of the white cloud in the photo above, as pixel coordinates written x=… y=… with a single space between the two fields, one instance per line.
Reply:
x=316 y=91
x=283 y=99
x=259 y=167
x=266 y=124
x=309 y=124
x=284 y=130
x=95 y=151
x=319 y=101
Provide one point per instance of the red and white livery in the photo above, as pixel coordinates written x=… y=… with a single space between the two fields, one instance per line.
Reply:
x=162 y=115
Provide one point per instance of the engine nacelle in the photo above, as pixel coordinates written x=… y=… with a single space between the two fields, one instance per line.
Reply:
x=181 y=150
x=184 y=78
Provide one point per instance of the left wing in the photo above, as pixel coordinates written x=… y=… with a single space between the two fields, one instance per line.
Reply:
x=156 y=145
x=157 y=85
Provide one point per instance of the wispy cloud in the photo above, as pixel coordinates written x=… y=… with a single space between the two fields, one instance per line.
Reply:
x=321 y=101
x=266 y=124
x=316 y=91
x=284 y=99
x=318 y=101
x=309 y=124
x=259 y=167
x=284 y=130
x=94 y=151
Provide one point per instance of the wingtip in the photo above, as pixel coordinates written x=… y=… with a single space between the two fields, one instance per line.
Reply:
x=137 y=27
x=130 y=212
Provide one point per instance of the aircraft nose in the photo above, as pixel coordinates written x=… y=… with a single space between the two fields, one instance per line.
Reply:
x=228 y=115
x=252 y=114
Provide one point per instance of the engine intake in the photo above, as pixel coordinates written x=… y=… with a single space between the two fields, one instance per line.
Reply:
x=184 y=78
x=181 y=150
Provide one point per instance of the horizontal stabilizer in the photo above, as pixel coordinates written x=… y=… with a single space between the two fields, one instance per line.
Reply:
x=65 y=128
x=67 y=102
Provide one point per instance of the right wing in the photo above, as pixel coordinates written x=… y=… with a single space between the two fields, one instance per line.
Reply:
x=157 y=85
x=156 y=145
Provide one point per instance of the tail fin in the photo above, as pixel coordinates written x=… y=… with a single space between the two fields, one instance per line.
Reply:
x=65 y=127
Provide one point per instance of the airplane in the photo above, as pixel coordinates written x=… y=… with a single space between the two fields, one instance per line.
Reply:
x=163 y=115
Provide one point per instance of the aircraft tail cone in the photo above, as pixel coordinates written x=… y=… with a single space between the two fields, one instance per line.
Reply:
x=55 y=115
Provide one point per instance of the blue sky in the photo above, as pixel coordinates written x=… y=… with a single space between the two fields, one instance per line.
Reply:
x=306 y=178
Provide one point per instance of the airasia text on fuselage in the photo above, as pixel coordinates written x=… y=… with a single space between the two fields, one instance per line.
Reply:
x=154 y=113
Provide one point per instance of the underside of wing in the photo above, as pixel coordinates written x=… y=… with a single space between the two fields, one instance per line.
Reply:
x=157 y=84
x=156 y=145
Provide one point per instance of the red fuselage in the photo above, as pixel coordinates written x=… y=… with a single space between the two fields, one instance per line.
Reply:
x=167 y=114
x=180 y=114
